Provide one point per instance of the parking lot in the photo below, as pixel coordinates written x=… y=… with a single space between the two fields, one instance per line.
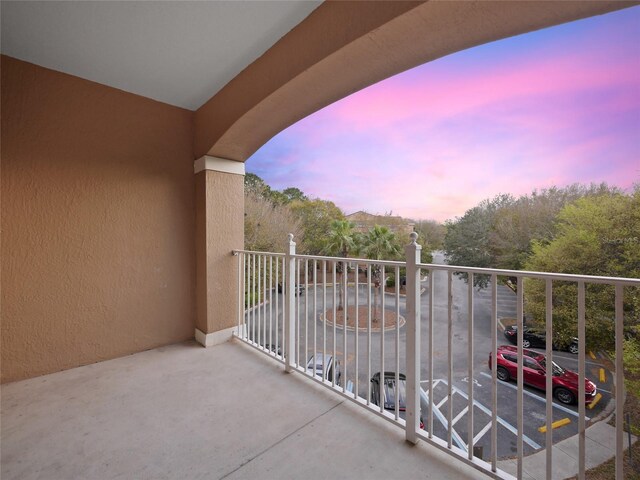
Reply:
x=534 y=410
x=534 y=400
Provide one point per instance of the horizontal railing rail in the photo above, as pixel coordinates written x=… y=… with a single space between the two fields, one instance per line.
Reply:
x=334 y=320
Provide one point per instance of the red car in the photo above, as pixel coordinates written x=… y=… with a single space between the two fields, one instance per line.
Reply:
x=534 y=368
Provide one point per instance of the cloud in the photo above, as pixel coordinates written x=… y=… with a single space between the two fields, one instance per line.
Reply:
x=551 y=108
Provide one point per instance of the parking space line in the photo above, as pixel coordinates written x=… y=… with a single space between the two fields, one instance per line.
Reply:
x=592 y=355
x=442 y=402
x=481 y=433
x=556 y=424
x=540 y=399
x=460 y=415
x=500 y=420
x=603 y=376
x=440 y=416
x=455 y=437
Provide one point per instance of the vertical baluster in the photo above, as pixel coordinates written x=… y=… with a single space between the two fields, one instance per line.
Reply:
x=278 y=306
x=520 y=396
x=369 y=333
x=397 y=366
x=470 y=366
x=335 y=321
x=306 y=310
x=356 y=331
x=296 y=294
x=449 y=357
x=494 y=369
x=324 y=310
x=271 y=303
x=381 y=320
x=248 y=299
x=344 y=326
x=253 y=299
x=549 y=372
x=283 y=297
x=431 y=276
x=315 y=308
x=258 y=299
x=264 y=300
x=581 y=377
x=258 y=292
x=619 y=381
x=240 y=293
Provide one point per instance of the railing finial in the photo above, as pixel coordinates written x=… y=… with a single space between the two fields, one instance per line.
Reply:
x=290 y=237
x=414 y=238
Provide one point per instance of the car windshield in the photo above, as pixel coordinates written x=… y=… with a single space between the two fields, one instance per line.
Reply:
x=390 y=393
x=317 y=362
x=557 y=369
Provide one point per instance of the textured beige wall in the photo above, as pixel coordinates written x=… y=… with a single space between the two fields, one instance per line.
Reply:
x=98 y=247
x=219 y=222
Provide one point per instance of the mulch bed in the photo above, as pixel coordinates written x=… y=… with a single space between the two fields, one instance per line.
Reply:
x=390 y=318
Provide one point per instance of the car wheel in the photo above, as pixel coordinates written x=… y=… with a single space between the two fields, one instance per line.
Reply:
x=564 y=396
x=573 y=348
x=503 y=374
x=526 y=343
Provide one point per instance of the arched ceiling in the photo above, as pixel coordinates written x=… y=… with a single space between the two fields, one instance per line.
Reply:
x=343 y=47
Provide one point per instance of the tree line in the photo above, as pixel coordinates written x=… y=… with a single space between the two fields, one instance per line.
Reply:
x=270 y=215
x=320 y=228
x=579 y=229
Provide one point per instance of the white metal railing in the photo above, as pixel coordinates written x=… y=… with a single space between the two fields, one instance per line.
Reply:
x=299 y=308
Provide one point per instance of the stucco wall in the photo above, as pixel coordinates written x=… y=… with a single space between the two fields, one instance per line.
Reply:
x=98 y=247
x=219 y=230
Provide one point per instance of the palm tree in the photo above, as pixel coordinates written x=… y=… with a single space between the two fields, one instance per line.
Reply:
x=380 y=244
x=340 y=241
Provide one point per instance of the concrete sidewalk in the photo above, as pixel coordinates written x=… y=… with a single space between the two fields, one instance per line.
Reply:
x=600 y=447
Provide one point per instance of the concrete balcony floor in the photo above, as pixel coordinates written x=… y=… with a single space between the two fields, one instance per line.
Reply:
x=187 y=412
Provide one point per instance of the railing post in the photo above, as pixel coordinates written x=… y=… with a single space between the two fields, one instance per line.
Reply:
x=412 y=252
x=289 y=312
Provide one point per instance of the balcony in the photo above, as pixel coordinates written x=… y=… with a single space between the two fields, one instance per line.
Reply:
x=441 y=334
x=187 y=412
x=232 y=412
x=122 y=201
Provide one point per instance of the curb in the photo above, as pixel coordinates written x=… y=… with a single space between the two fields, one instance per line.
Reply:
x=401 y=321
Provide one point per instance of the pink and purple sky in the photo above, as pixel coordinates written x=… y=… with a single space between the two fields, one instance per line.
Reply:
x=553 y=107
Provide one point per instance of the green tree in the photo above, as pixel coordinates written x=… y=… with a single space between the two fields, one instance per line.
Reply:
x=431 y=234
x=339 y=242
x=316 y=217
x=500 y=233
x=468 y=239
x=293 y=193
x=380 y=243
x=533 y=218
x=256 y=185
x=596 y=235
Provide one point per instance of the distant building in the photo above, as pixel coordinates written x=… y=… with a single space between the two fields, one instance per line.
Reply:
x=365 y=221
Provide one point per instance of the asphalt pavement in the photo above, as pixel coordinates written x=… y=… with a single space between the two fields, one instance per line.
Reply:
x=351 y=351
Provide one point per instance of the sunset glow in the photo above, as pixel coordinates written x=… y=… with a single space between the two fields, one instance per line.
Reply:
x=553 y=107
